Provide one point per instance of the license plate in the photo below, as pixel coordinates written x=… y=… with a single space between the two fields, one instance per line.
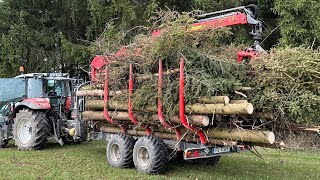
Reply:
x=217 y=150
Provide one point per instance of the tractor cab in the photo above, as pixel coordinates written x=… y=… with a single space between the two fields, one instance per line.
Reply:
x=54 y=87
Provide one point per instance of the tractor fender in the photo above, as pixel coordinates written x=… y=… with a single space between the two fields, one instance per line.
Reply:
x=34 y=103
x=31 y=103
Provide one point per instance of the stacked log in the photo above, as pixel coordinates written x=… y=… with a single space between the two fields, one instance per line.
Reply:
x=197 y=120
x=218 y=109
x=197 y=115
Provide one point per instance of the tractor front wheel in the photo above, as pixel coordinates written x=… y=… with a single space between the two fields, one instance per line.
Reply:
x=30 y=129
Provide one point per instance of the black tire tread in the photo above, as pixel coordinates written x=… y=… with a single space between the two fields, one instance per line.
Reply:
x=160 y=152
x=127 y=142
x=41 y=126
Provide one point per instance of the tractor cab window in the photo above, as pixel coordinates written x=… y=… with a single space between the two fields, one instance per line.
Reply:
x=55 y=88
x=12 y=90
x=35 y=89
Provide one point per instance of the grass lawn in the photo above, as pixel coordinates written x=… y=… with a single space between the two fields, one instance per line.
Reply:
x=87 y=161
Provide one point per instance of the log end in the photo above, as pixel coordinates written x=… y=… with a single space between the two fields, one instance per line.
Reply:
x=226 y=99
x=205 y=120
x=249 y=108
x=271 y=137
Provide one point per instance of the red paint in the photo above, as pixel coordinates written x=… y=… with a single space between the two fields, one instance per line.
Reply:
x=196 y=153
x=249 y=53
x=237 y=19
x=183 y=119
x=68 y=103
x=160 y=111
x=41 y=103
x=105 y=99
x=96 y=65
x=132 y=118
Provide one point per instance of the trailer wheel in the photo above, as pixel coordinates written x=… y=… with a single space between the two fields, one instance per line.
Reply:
x=207 y=161
x=119 y=151
x=3 y=142
x=150 y=155
x=30 y=129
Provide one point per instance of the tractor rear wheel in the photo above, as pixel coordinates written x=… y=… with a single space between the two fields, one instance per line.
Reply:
x=150 y=155
x=30 y=129
x=3 y=142
x=119 y=151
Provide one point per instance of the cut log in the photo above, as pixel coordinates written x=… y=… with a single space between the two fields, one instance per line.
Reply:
x=214 y=100
x=253 y=136
x=97 y=92
x=197 y=120
x=161 y=135
x=116 y=105
x=220 y=109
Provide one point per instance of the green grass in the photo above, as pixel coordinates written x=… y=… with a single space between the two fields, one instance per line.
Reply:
x=87 y=161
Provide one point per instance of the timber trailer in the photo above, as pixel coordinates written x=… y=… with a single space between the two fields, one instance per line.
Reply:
x=148 y=149
x=35 y=107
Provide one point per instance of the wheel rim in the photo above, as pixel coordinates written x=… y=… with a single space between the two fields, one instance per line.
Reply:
x=143 y=156
x=24 y=131
x=115 y=152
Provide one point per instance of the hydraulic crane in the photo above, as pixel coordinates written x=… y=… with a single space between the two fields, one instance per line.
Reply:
x=232 y=17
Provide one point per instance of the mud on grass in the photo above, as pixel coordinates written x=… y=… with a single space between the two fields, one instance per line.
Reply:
x=87 y=161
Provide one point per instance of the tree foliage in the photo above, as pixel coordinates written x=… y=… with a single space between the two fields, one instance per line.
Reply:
x=54 y=35
x=299 y=21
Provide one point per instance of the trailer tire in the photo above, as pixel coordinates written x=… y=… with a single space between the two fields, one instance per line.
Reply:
x=3 y=142
x=150 y=155
x=30 y=129
x=119 y=151
x=207 y=161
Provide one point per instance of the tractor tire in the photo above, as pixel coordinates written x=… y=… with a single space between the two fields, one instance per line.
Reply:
x=119 y=151
x=150 y=155
x=212 y=161
x=3 y=142
x=30 y=129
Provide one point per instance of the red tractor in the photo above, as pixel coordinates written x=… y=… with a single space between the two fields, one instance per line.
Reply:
x=34 y=107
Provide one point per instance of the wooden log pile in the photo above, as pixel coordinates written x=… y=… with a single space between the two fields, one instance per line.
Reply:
x=199 y=114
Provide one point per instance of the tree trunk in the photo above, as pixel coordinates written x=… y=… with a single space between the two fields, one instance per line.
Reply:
x=219 y=109
x=214 y=100
x=253 y=136
x=197 y=120
x=97 y=92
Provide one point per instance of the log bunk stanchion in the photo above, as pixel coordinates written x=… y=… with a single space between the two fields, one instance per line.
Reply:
x=160 y=111
x=130 y=111
x=183 y=118
x=105 y=99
